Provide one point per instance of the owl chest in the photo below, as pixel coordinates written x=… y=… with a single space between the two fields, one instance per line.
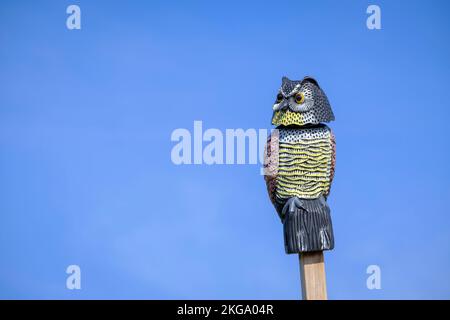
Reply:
x=304 y=162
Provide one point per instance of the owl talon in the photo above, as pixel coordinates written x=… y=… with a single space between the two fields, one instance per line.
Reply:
x=290 y=205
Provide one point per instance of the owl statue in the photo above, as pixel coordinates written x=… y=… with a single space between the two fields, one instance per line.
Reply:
x=299 y=165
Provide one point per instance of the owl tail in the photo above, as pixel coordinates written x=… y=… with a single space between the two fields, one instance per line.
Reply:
x=307 y=225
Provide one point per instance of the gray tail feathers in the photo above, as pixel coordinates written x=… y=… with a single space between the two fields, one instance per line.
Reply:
x=307 y=225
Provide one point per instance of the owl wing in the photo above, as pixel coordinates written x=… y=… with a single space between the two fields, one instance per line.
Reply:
x=271 y=159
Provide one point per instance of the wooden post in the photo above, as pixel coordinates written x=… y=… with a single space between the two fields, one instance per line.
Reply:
x=312 y=273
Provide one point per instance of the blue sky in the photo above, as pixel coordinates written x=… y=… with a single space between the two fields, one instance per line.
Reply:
x=86 y=176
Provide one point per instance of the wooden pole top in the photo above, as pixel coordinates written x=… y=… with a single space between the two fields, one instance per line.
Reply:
x=312 y=274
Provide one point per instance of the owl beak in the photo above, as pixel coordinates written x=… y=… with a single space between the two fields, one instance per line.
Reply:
x=283 y=105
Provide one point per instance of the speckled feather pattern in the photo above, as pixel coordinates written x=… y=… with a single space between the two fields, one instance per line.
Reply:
x=305 y=163
x=316 y=103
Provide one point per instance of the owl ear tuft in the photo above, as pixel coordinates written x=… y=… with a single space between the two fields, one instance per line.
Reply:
x=311 y=80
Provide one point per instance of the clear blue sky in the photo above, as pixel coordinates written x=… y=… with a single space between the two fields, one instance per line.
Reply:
x=85 y=171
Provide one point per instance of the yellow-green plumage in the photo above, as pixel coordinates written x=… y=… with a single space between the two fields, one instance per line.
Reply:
x=305 y=163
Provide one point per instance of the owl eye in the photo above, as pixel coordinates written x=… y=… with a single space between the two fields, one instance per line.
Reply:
x=299 y=98
x=279 y=98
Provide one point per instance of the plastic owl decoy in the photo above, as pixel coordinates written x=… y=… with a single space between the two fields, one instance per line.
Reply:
x=299 y=165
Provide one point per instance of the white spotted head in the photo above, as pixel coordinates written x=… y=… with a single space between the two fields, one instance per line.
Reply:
x=300 y=103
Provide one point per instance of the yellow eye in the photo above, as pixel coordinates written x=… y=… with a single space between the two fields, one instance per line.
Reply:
x=279 y=97
x=299 y=98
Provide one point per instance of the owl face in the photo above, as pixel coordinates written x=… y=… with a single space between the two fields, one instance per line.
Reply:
x=300 y=103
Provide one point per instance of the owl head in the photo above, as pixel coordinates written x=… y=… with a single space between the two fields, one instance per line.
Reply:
x=301 y=102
